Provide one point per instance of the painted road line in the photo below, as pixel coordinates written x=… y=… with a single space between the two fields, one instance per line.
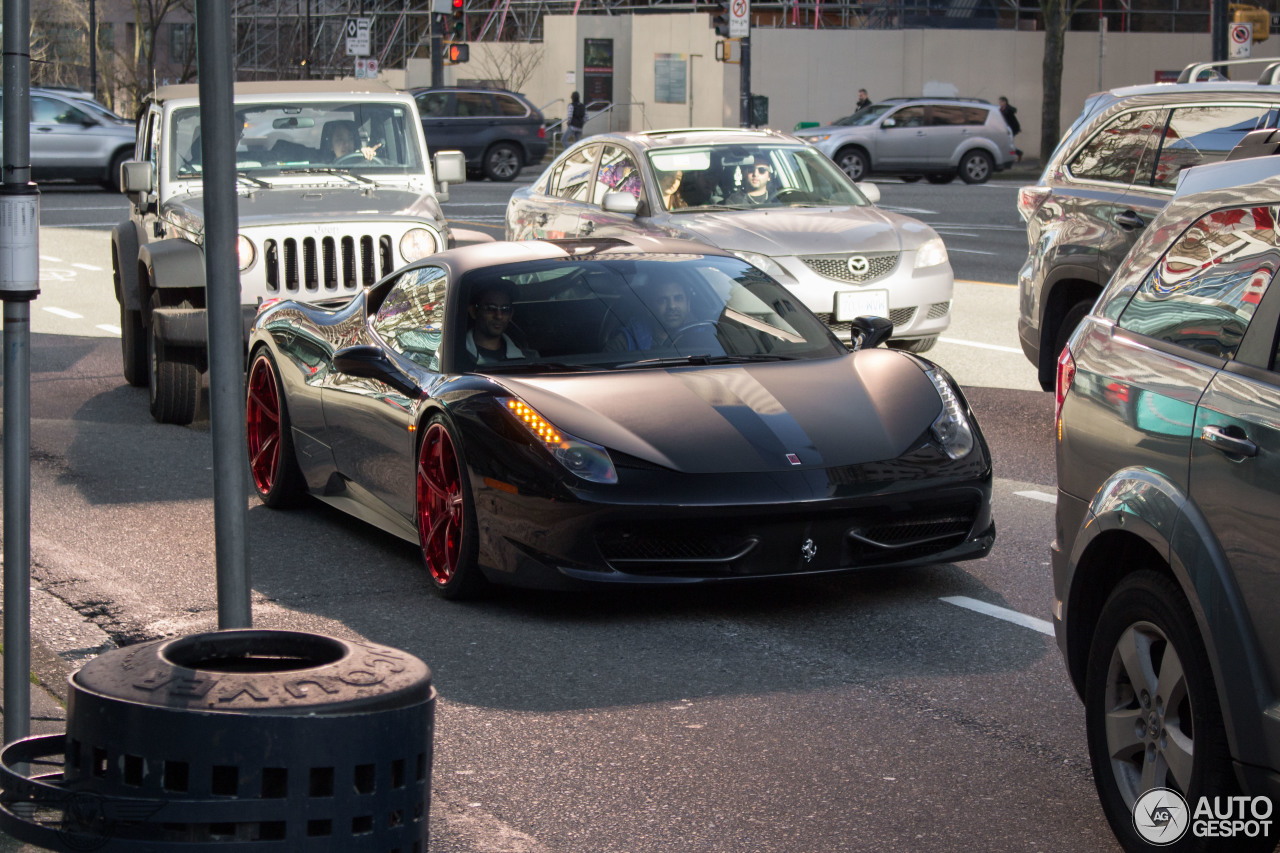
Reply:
x=919 y=211
x=51 y=260
x=1038 y=496
x=62 y=312
x=949 y=232
x=1044 y=626
x=969 y=251
x=995 y=347
x=976 y=226
x=78 y=225
x=89 y=267
x=107 y=327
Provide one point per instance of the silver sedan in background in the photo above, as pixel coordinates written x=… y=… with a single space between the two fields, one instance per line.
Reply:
x=767 y=197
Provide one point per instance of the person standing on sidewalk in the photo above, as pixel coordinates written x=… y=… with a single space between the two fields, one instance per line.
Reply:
x=863 y=101
x=1010 y=113
x=577 y=118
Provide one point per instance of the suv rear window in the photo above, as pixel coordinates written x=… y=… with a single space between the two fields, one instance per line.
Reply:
x=1202 y=293
x=1115 y=152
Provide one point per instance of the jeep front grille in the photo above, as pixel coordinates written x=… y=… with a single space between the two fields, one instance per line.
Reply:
x=836 y=267
x=334 y=264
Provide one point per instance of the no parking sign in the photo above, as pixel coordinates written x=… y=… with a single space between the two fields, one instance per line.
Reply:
x=1241 y=36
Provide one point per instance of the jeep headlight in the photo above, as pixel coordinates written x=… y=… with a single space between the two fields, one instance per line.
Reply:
x=951 y=430
x=766 y=264
x=418 y=243
x=931 y=253
x=246 y=251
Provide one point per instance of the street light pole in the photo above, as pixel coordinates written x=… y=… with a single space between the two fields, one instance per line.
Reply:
x=93 y=48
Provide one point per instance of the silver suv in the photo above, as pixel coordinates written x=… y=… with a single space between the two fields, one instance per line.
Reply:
x=335 y=191
x=1168 y=520
x=1115 y=169
x=77 y=139
x=935 y=138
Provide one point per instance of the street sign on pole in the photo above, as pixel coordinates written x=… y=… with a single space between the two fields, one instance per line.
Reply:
x=1241 y=41
x=739 y=18
x=358 y=38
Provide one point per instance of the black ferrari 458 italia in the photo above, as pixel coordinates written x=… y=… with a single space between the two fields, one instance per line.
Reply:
x=555 y=414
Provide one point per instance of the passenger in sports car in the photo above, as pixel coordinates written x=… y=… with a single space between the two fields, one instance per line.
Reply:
x=487 y=342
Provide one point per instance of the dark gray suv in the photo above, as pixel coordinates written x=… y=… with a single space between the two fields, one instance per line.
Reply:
x=499 y=132
x=1114 y=170
x=1166 y=561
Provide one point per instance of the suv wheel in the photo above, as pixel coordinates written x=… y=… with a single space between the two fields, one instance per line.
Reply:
x=1151 y=708
x=133 y=347
x=502 y=162
x=175 y=383
x=942 y=177
x=853 y=163
x=976 y=167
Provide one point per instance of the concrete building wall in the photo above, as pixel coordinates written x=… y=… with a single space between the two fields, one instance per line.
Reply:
x=812 y=75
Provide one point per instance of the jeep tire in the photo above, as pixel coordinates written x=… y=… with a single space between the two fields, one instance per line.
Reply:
x=133 y=347
x=174 y=382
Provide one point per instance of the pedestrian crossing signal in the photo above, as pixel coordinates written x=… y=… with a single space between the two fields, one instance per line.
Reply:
x=456 y=54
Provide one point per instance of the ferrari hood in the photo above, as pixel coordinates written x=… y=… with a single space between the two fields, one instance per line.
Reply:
x=863 y=407
x=807 y=231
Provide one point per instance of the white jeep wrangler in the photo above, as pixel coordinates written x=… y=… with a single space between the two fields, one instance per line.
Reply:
x=335 y=191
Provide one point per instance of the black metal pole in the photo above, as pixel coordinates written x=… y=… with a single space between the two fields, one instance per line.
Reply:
x=19 y=284
x=1218 y=28
x=219 y=137
x=437 y=49
x=744 y=77
x=93 y=48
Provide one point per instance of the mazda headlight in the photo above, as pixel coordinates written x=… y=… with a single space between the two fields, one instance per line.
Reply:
x=766 y=264
x=951 y=429
x=418 y=243
x=589 y=461
x=931 y=253
x=246 y=252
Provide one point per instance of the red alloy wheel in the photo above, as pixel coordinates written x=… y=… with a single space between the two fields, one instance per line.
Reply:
x=262 y=425
x=440 y=504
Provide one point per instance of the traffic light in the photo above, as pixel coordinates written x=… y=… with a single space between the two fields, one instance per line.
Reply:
x=720 y=19
x=459 y=27
x=1244 y=13
x=455 y=54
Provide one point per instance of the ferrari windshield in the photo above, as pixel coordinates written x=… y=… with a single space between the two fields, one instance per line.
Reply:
x=626 y=311
x=741 y=177
x=338 y=137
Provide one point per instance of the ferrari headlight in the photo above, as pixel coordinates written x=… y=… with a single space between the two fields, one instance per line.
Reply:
x=589 y=461
x=931 y=253
x=951 y=429
x=244 y=248
x=766 y=264
x=418 y=243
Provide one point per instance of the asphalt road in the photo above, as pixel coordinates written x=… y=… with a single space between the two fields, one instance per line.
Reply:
x=915 y=710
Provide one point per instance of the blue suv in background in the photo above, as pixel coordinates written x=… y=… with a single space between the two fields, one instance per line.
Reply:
x=499 y=132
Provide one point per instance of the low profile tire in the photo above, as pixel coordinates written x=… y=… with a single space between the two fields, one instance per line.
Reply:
x=133 y=348
x=1152 y=717
x=976 y=167
x=502 y=162
x=941 y=177
x=914 y=344
x=174 y=383
x=1073 y=318
x=445 y=514
x=853 y=163
x=269 y=435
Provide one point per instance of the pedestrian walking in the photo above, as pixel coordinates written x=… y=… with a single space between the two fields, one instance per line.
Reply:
x=1010 y=113
x=577 y=118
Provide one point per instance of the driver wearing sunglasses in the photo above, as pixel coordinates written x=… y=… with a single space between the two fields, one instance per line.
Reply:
x=488 y=342
x=758 y=187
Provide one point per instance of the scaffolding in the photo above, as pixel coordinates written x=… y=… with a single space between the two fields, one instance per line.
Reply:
x=281 y=39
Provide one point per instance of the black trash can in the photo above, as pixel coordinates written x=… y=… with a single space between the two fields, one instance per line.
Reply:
x=235 y=740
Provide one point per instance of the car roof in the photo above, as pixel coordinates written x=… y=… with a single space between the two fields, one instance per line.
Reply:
x=418 y=90
x=480 y=255
x=940 y=99
x=673 y=137
x=268 y=89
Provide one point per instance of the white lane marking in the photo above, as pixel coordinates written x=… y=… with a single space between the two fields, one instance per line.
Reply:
x=77 y=225
x=62 y=312
x=107 y=327
x=1038 y=496
x=89 y=267
x=995 y=347
x=977 y=227
x=951 y=232
x=969 y=251
x=51 y=259
x=475 y=204
x=1044 y=626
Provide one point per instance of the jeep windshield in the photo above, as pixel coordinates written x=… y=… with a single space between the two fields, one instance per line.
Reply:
x=743 y=177
x=360 y=138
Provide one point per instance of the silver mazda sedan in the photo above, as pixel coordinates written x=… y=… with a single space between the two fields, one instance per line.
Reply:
x=771 y=199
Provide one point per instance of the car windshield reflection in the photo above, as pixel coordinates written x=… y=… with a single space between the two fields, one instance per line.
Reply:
x=629 y=311
x=704 y=178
